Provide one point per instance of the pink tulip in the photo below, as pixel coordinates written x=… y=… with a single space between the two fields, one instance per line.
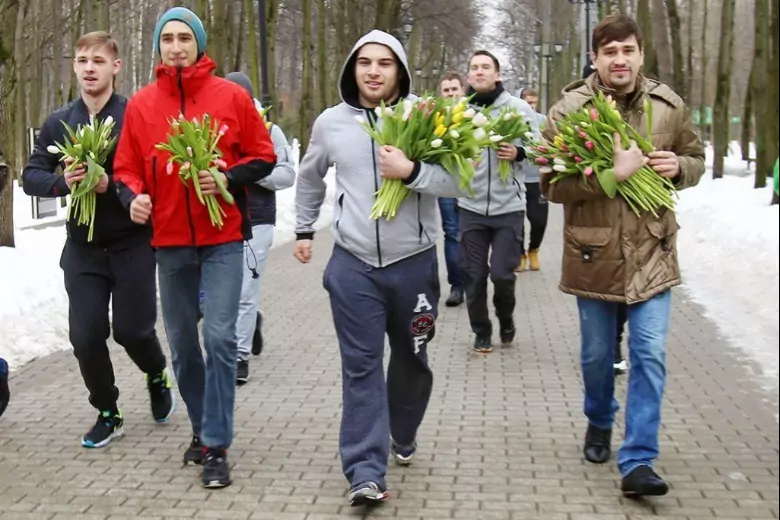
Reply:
x=577 y=159
x=223 y=129
x=542 y=149
x=564 y=148
x=589 y=145
x=169 y=168
x=588 y=171
x=542 y=160
x=594 y=114
x=186 y=166
x=583 y=135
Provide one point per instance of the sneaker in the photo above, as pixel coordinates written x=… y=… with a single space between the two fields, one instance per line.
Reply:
x=242 y=371
x=216 y=473
x=5 y=393
x=257 y=337
x=162 y=399
x=456 y=297
x=483 y=345
x=620 y=367
x=402 y=455
x=507 y=333
x=194 y=453
x=107 y=428
x=367 y=493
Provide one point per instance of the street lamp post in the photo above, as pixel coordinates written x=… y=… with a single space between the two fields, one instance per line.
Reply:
x=265 y=95
x=546 y=53
x=584 y=59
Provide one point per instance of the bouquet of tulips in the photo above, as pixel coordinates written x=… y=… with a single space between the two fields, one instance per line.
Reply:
x=508 y=126
x=89 y=144
x=431 y=130
x=263 y=111
x=193 y=147
x=584 y=146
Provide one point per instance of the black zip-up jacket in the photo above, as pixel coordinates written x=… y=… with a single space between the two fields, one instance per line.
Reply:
x=113 y=227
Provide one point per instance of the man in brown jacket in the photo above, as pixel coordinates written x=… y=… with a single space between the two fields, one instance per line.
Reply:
x=613 y=258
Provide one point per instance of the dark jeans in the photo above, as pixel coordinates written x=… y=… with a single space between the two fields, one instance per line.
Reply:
x=537 y=209
x=401 y=301
x=449 y=223
x=499 y=240
x=93 y=277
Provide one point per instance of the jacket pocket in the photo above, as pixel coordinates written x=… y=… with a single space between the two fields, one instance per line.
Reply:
x=587 y=242
x=340 y=203
x=664 y=232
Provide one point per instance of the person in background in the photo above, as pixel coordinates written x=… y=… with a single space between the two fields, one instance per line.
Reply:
x=451 y=86
x=537 y=208
x=5 y=393
x=261 y=203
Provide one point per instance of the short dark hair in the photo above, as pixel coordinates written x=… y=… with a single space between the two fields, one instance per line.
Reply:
x=452 y=76
x=489 y=55
x=98 y=39
x=614 y=28
x=528 y=91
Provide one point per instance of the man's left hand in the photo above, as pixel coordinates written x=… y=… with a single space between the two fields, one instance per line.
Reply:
x=208 y=186
x=394 y=164
x=507 y=152
x=102 y=185
x=664 y=163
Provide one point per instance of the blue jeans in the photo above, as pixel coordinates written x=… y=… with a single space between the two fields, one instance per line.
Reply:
x=207 y=387
x=648 y=323
x=449 y=222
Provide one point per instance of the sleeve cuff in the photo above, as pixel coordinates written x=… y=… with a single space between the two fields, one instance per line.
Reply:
x=415 y=173
x=521 y=155
x=304 y=236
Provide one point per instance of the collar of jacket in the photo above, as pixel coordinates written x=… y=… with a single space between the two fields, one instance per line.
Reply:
x=192 y=77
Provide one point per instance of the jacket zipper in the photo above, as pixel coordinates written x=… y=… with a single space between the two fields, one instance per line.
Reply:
x=490 y=174
x=376 y=189
x=186 y=191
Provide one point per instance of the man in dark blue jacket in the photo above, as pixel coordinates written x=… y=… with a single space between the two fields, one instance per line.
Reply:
x=117 y=265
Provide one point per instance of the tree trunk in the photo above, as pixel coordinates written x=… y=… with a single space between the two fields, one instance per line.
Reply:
x=305 y=108
x=254 y=49
x=663 y=51
x=704 y=127
x=773 y=78
x=757 y=90
x=323 y=81
x=721 y=116
x=689 y=72
x=747 y=121
x=272 y=25
x=678 y=71
x=646 y=24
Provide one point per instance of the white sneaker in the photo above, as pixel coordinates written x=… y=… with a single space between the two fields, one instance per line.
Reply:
x=621 y=368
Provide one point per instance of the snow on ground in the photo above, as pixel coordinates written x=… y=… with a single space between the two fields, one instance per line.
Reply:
x=34 y=305
x=729 y=255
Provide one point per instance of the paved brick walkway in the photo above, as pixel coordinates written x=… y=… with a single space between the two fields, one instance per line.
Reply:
x=501 y=440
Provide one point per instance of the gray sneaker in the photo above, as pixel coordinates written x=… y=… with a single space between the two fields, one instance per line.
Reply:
x=367 y=493
x=402 y=455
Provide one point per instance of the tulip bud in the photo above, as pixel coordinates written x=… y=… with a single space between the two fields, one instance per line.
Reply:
x=545 y=170
x=589 y=145
x=189 y=151
x=594 y=114
x=436 y=143
x=186 y=166
x=559 y=168
x=223 y=129
x=542 y=160
x=578 y=159
x=588 y=171
x=52 y=149
x=169 y=168
x=558 y=160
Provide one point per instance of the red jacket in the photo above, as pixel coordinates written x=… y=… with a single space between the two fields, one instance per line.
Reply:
x=178 y=218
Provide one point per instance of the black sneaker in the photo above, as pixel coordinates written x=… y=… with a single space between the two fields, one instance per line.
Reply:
x=194 y=453
x=507 y=333
x=598 y=445
x=162 y=399
x=257 y=338
x=107 y=428
x=402 y=455
x=5 y=393
x=456 y=297
x=643 y=482
x=242 y=371
x=367 y=493
x=483 y=344
x=216 y=473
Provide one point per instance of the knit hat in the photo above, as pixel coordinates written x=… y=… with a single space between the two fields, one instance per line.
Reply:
x=186 y=16
x=242 y=80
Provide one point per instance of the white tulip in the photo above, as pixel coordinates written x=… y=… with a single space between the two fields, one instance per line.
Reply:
x=468 y=114
x=508 y=116
x=108 y=120
x=544 y=170
x=406 y=115
x=480 y=120
x=52 y=149
x=496 y=138
x=529 y=136
x=559 y=161
x=436 y=143
x=388 y=112
x=454 y=134
x=378 y=112
x=559 y=168
x=407 y=105
x=479 y=134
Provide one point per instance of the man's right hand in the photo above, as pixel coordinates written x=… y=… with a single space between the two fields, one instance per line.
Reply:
x=141 y=209
x=75 y=175
x=627 y=162
x=303 y=251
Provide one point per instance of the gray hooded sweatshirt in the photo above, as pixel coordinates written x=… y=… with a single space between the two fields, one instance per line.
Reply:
x=491 y=195
x=337 y=139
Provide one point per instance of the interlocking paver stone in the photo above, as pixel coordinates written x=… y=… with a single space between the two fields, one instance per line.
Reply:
x=501 y=440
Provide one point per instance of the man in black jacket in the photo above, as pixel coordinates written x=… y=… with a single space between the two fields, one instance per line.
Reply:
x=117 y=265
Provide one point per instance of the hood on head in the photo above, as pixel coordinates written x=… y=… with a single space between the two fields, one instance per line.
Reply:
x=242 y=80
x=348 y=88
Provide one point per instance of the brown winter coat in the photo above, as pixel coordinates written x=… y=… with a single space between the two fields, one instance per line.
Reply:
x=609 y=253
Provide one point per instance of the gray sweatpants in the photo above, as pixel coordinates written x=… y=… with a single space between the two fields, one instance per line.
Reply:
x=255 y=258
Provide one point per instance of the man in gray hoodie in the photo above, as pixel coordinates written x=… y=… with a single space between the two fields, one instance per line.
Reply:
x=491 y=220
x=383 y=276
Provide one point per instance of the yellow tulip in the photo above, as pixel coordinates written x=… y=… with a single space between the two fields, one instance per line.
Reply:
x=459 y=108
x=439 y=119
x=440 y=131
x=558 y=141
x=457 y=117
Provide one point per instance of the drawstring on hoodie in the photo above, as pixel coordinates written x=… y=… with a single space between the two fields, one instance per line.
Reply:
x=253 y=270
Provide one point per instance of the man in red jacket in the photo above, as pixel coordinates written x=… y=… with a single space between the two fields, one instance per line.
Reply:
x=191 y=252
